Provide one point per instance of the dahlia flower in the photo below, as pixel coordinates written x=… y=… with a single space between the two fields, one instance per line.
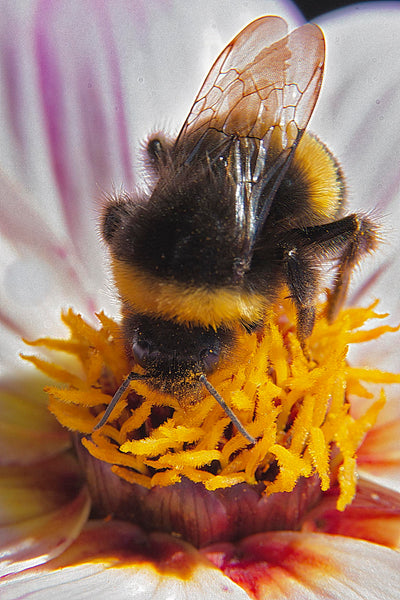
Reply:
x=167 y=501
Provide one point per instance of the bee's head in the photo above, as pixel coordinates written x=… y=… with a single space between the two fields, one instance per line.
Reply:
x=174 y=356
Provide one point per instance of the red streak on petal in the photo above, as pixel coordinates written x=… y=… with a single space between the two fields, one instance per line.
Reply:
x=261 y=560
x=12 y=88
x=51 y=86
x=11 y=325
x=115 y=73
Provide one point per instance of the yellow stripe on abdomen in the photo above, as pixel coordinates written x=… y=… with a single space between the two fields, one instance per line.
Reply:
x=198 y=306
x=323 y=176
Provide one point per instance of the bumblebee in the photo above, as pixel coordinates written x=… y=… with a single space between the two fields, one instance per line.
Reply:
x=245 y=205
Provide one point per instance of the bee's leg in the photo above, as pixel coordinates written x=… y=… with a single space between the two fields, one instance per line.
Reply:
x=302 y=279
x=361 y=238
x=346 y=241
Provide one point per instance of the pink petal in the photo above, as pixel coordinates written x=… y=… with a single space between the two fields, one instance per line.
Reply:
x=374 y=515
x=310 y=566
x=42 y=510
x=116 y=559
x=81 y=95
x=67 y=126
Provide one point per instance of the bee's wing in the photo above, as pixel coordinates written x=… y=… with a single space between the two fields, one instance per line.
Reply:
x=260 y=92
x=262 y=80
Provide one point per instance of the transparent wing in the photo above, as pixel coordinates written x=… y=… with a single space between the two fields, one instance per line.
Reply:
x=253 y=108
x=264 y=79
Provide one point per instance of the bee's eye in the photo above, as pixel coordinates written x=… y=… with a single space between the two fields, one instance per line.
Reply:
x=141 y=352
x=209 y=358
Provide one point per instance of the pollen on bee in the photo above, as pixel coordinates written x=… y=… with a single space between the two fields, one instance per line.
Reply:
x=296 y=406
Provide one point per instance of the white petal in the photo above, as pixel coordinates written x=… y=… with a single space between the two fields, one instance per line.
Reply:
x=103 y=582
x=42 y=510
x=39 y=275
x=116 y=560
x=357 y=116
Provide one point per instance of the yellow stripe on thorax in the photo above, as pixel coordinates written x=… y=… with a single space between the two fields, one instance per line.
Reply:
x=173 y=300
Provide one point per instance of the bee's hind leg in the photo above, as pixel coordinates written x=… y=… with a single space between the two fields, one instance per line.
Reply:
x=304 y=250
x=361 y=239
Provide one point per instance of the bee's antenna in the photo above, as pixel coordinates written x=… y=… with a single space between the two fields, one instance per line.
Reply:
x=203 y=379
x=117 y=396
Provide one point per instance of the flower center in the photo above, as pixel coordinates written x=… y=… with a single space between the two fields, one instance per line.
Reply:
x=295 y=404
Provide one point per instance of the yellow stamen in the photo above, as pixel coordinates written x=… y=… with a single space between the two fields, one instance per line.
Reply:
x=295 y=404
